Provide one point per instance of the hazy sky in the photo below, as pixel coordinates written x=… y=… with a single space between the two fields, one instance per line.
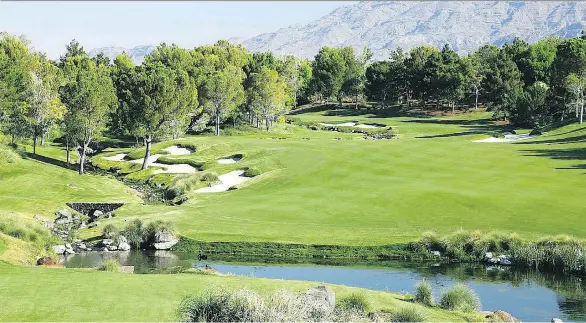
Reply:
x=51 y=25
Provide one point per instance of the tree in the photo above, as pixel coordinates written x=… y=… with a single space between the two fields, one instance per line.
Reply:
x=575 y=86
x=451 y=78
x=267 y=94
x=161 y=97
x=419 y=66
x=502 y=81
x=90 y=96
x=473 y=76
x=222 y=93
x=16 y=67
x=378 y=83
x=328 y=72
x=45 y=108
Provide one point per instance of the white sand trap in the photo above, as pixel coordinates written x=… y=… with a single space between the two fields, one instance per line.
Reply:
x=351 y=124
x=226 y=161
x=150 y=160
x=178 y=151
x=226 y=181
x=174 y=169
x=119 y=157
x=346 y=124
x=367 y=126
x=507 y=138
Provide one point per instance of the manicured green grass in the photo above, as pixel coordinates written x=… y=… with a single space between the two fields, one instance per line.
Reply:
x=315 y=189
x=53 y=294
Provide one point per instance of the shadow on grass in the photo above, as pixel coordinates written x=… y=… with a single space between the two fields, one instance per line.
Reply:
x=577 y=154
x=566 y=140
x=49 y=160
x=472 y=127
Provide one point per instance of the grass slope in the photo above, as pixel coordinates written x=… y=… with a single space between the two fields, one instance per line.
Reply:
x=29 y=294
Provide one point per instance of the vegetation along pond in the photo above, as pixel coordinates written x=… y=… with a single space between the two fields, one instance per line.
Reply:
x=528 y=295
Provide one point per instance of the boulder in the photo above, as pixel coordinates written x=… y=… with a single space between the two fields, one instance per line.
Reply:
x=501 y=316
x=59 y=249
x=323 y=295
x=505 y=260
x=63 y=214
x=69 y=251
x=112 y=248
x=45 y=261
x=123 y=246
x=165 y=245
x=488 y=256
x=68 y=246
x=435 y=253
x=556 y=320
x=122 y=239
x=107 y=242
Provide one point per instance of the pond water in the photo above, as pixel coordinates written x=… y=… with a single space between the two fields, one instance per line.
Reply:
x=528 y=295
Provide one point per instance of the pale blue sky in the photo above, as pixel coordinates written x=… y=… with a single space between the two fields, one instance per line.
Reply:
x=50 y=25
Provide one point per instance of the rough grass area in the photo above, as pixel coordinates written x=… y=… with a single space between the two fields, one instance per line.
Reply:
x=28 y=294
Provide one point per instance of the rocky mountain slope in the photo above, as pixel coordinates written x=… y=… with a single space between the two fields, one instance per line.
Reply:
x=137 y=53
x=465 y=25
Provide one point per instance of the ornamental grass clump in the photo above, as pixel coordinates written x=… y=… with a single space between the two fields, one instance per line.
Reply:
x=460 y=298
x=424 y=293
x=408 y=313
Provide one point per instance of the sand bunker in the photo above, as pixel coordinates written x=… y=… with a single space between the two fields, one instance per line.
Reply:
x=507 y=138
x=118 y=157
x=230 y=160
x=351 y=124
x=226 y=181
x=150 y=160
x=178 y=151
x=174 y=169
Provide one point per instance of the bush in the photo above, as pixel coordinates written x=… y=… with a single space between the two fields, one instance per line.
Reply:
x=136 y=233
x=461 y=298
x=252 y=172
x=408 y=313
x=355 y=302
x=247 y=306
x=111 y=265
x=209 y=177
x=110 y=231
x=424 y=293
x=159 y=227
x=8 y=155
x=182 y=184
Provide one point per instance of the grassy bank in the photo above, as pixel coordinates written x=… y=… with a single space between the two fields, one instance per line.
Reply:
x=30 y=294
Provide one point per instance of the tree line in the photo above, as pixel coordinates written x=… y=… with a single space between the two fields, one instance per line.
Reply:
x=176 y=90
x=529 y=85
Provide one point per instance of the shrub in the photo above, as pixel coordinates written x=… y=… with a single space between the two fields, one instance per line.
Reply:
x=159 y=227
x=110 y=265
x=135 y=233
x=460 y=297
x=182 y=184
x=247 y=306
x=110 y=231
x=355 y=302
x=408 y=313
x=8 y=155
x=209 y=177
x=424 y=293
x=252 y=172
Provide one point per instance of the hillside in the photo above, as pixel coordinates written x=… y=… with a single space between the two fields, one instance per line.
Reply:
x=465 y=25
x=137 y=53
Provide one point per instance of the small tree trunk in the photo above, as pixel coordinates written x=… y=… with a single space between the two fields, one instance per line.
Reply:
x=67 y=152
x=82 y=157
x=12 y=139
x=294 y=100
x=582 y=109
x=476 y=99
x=147 y=154
x=43 y=136
x=217 y=123
x=356 y=101
x=267 y=122
x=35 y=142
x=453 y=107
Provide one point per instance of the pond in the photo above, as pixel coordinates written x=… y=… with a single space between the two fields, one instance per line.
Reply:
x=528 y=295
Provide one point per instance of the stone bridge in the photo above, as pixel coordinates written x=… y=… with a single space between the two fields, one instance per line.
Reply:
x=88 y=208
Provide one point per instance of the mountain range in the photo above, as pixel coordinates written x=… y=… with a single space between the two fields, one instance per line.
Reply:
x=386 y=25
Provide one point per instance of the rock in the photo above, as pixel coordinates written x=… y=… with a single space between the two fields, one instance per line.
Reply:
x=556 y=320
x=165 y=245
x=93 y=224
x=122 y=239
x=488 y=256
x=63 y=214
x=107 y=242
x=112 y=248
x=535 y=132
x=123 y=246
x=493 y=260
x=45 y=261
x=37 y=217
x=323 y=295
x=68 y=246
x=505 y=260
x=486 y=314
x=105 y=249
x=435 y=253
x=501 y=316
x=69 y=251
x=59 y=249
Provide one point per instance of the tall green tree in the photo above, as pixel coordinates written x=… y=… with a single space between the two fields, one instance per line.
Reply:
x=267 y=94
x=222 y=93
x=328 y=73
x=90 y=97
